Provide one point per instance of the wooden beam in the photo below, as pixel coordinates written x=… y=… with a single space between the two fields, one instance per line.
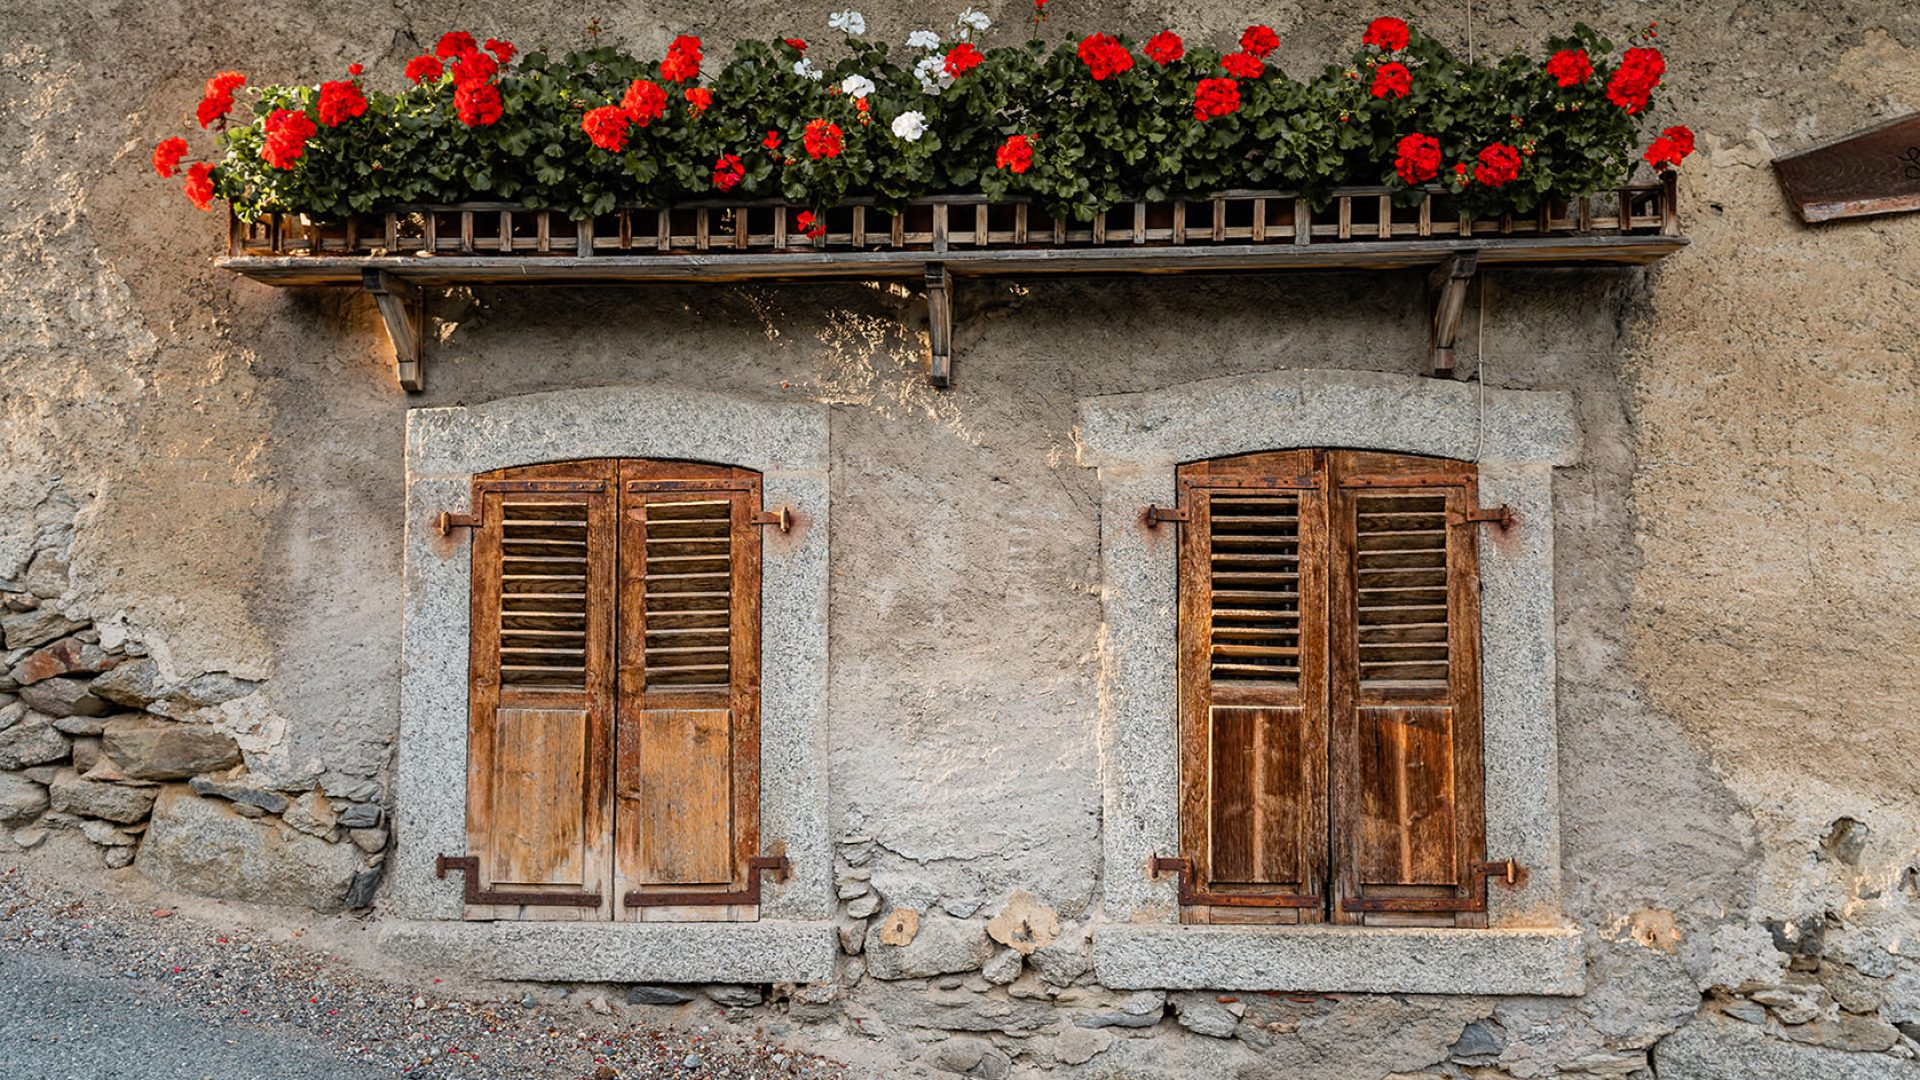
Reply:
x=403 y=308
x=1447 y=285
x=939 y=325
x=1876 y=171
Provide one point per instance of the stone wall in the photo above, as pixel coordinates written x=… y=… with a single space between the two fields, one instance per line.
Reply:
x=201 y=496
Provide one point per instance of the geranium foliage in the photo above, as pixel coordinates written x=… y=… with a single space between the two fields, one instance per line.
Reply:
x=1077 y=126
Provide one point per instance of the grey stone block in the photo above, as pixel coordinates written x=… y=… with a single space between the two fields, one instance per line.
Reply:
x=1708 y=1049
x=757 y=952
x=89 y=798
x=21 y=799
x=31 y=741
x=203 y=846
x=147 y=749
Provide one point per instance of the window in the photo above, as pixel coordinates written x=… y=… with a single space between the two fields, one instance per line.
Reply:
x=1329 y=696
x=613 y=743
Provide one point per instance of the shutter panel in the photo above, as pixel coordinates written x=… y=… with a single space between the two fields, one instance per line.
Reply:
x=541 y=687
x=1408 y=825
x=1253 y=688
x=687 y=814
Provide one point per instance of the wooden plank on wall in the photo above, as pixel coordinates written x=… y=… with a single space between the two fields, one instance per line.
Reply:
x=1876 y=171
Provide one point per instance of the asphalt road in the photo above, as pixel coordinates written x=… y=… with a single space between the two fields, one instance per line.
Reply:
x=62 y=1021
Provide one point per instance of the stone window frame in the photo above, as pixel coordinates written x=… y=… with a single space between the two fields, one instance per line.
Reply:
x=793 y=939
x=1516 y=438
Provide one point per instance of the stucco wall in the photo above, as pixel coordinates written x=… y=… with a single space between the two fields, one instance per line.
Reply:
x=220 y=466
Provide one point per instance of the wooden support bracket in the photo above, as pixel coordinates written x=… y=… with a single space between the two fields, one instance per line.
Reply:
x=403 y=307
x=1448 y=286
x=939 y=325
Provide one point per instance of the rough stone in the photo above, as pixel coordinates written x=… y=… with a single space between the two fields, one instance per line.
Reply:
x=30 y=837
x=233 y=790
x=363 y=888
x=81 y=725
x=116 y=858
x=113 y=802
x=64 y=697
x=1478 y=1041
x=135 y=683
x=69 y=656
x=20 y=798
x=1199 y=1013
x=1863 y=1034
x=942 y=946
x=368 y=840
x=1024 y=924
x=1723 y=1050
x=1746 y=1011
x=1845 y=841
x=853 y=889
x=965 y=907
x=657 y=995
x=1140 y=1009
x=32 y=741
x=159 y=750
x=12 y=711
x=312 y=814
x=203 y=846
x=358 y=815
x=813 y=1003
x=963 y=1010
x=106 y=835
x=27 y=629
x=864 y=907
x=1002 y=967
x=1063 y=961
x=47 y=575
x=1791 y=1004
x=900 y=926
x=1853 y=989
x=853 y=937
x=1078 y=1045
x=734 y=996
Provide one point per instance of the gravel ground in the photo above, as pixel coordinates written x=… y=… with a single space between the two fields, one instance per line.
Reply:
x=93 y=986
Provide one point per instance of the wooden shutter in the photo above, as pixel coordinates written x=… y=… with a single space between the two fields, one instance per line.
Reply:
x=1253 y=702
x=687 y=807
x=541 y=691
x=1408 y=825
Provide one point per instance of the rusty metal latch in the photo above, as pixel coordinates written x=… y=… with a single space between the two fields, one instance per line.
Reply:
x=1191 y=895
x=1500 y=517
x=1154 y=516
x=472 y=893
x=450 y=520
x=783 y=517
x=756 y=865
x=1507 y=872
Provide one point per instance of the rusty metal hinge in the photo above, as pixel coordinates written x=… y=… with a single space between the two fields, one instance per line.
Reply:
x=1500 y=517
x=783 y=517
x=1154 y=516
x=450 y=520
x=756 y=865
x=1507 y=872
x=472 y=893
x=1191 y=894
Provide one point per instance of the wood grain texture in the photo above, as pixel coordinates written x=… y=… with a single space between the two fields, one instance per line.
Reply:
x=682 y=797
x=1876 y=171
x=539 y=780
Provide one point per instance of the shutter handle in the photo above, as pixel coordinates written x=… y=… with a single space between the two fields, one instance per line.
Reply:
x=1154 y=516
x=1500 y=517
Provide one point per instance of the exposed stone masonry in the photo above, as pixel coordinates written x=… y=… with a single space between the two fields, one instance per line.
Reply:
x=96 y=742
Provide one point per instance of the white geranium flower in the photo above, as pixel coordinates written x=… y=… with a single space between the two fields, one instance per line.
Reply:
x=923 y=39
x=975 y=21
x=932 y=73
x=856 y=86
x=851 y=22
x=805 y=69
x=910 y=126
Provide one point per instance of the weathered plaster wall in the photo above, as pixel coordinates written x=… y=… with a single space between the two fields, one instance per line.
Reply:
x=212 y=470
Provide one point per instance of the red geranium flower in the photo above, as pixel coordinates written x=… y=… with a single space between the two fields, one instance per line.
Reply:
x=218 y=97
x=1164 y=48
x=502 y=51
x=962 y=59
x=823 y=139
x=1417 y=158
x=809 y=225
x=1215 y=97
x=728 y=171
x=1499 y=165
x=1633 y=82
x=287 y=132
x=683 y=59
x=356 y=69
x=1570 y=67
x=1671 y=148
x=772 y=141
x=166 y=156
x=799 y=44
x=455 y=43
x=423 y=67
x=1392 y=80
x=1015 y=155
x=474 y=67
x=340 y=101
x=1259 y=40
x=1387 y=34
x=644 y=102
x=1243 y=65
x=607 y=126
x=699 y=98
x=477 y=103
x=199 y=187
x=1104 y=55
